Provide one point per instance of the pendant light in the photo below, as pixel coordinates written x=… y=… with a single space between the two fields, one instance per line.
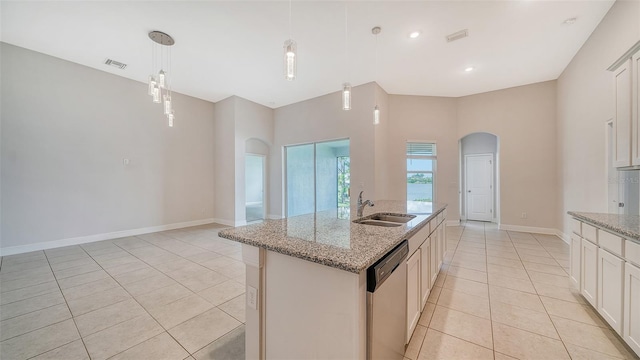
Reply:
x=290 y=54
x=376 y=109
x=346 y=87
x=160 y=83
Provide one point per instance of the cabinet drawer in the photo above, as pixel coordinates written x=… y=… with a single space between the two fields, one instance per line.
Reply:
x=632 y=252
x=611 y=242
x=576 y=227
x=590 y=233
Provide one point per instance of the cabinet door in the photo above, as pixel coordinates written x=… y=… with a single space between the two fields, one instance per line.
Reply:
x=622 y=121
x=632 y=306
x=635 y=109
x=589 y=271
x=574 y=260
x=434 y=259
x=413 y=293
x=610 y=288
x=425 y=268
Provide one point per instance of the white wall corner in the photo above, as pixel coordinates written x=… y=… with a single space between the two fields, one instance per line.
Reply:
x=12 y=250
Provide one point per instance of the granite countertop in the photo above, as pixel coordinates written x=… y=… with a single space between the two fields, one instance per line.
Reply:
x=323 y=238
x=625 y=225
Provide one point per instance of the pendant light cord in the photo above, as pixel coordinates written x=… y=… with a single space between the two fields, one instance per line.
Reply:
x=346 y=35
x=290 y=37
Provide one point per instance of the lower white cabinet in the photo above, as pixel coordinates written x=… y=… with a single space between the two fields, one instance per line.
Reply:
x=425 y=268
x=440 y=237
x=574 y=261
x=413 y=293
x=610 y=289
x=632 y=306
x=589 y=271
x=433 y=264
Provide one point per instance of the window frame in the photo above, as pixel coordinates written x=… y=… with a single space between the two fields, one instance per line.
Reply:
x=433 y=170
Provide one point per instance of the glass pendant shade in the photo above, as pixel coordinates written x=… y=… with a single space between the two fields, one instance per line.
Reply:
x=162 y=79
x=376 y=115
x=152 y=83
x=290 y=60
x=346 y=96
x=170 y=118
x=167 y=105
x=156 y=94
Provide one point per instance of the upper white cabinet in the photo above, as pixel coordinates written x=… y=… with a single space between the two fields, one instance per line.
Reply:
x=635 y=108
x=622 y=121
x=626 y=71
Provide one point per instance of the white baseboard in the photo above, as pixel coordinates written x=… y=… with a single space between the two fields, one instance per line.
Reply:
x=12 y=250
x=224 y=222
x=274 y=217
x=566 y=238
x=453 y=222
x=535 y=230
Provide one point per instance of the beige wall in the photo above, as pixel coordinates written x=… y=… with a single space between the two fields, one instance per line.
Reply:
x=224 y=142
x=322 y=118
x=524 y=119
x=424 y=118
x=585 y=103
x=66 y=129
x=236 y=121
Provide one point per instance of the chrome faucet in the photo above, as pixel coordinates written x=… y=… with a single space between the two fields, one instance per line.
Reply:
x=361 y=204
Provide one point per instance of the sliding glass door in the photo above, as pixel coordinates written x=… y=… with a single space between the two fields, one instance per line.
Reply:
x=317 y=177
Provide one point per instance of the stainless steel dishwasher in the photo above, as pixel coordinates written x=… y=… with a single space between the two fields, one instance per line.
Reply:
x=387 y=305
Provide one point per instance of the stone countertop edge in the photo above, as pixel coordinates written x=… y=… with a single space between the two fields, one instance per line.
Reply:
x=296 y=247
x=624 y=225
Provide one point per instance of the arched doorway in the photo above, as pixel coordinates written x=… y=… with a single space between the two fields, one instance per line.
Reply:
x=480 y=177
x=255 y=176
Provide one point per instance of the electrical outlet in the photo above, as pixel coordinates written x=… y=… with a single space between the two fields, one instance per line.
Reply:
x=524 y=215
x=125 y=162
x=252 y=297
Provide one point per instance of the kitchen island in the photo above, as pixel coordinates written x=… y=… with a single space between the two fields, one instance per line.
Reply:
x=306 y=278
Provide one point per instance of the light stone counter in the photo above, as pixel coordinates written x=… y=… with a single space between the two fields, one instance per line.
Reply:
x=625 y=225
x=323 y=238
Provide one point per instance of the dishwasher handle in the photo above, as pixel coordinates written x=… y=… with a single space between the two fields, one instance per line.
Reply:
x=383 y=268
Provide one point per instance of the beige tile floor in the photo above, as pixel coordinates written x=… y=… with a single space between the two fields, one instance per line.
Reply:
x=180 y=295
x=506 y=295
x=171 y=295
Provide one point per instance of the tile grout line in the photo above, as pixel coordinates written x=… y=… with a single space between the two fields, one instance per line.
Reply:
x=493 y=337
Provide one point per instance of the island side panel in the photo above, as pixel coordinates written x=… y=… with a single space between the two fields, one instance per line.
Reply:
x=313 y=311
x=253 y=257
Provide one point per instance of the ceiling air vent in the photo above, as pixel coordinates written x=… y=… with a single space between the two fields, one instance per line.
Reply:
x=458 y=35
x=114 y=63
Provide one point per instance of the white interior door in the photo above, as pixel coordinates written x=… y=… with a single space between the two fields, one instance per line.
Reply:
x=479 y=186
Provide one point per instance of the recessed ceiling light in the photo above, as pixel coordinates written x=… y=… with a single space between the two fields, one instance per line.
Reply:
x=414 y=34
x=469 y=69
x=570 y=21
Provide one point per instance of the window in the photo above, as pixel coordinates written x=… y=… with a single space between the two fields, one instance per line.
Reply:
x=317 y=178
x=421 y=169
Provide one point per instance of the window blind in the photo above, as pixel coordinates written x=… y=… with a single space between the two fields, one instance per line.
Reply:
x=421 y=149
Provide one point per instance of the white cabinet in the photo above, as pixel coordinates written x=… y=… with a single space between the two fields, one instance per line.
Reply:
x=441 y=244
x=610 y=289
x=589 y=271
x=632 y=306
x=574 y=261
x=413 y=293
x=622 y=120
x=425 y=268
x=434 y=260
x=635 y=108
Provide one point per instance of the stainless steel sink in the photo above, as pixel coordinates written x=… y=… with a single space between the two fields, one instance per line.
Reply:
x=377 y=223
x=386 y=220
x=396 y=218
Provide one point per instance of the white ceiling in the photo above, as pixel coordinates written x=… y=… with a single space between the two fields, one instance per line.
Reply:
x=235 y=48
